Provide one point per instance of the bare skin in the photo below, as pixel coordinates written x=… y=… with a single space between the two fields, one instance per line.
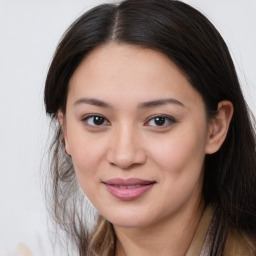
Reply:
x=132 y=115
x=170 y=239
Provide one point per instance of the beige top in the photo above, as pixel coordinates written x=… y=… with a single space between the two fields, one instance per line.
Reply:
x=22 y=250
x=237 y=243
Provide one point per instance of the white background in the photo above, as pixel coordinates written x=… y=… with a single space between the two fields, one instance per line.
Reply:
x=29 y=33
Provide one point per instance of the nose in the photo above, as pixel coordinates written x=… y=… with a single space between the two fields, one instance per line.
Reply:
x=125 y=148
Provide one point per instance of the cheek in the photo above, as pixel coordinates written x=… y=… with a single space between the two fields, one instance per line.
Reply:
x=183 y=151
x=86 y=161
x=87 y=154
x=180 y=160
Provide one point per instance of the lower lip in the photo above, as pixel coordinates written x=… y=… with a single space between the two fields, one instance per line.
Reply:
x=128 y=193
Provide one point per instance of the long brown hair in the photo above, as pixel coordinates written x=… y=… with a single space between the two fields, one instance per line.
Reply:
x=189 y=39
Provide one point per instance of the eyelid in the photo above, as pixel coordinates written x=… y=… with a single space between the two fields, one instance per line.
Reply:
x=171 y=120
x=88 y=116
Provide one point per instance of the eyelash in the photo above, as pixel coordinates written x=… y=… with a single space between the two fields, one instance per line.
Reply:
x=104 y=122
x=93 y=116
x=167 y=118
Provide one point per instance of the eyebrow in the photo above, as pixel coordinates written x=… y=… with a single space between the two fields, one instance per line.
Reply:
x=94 y=102
x=160 y=102
x=148 y=104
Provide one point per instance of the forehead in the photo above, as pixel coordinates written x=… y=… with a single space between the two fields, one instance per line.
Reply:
x=121 y=70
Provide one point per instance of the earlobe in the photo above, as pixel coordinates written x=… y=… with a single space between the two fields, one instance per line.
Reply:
x=218 y=127
x=61 y=120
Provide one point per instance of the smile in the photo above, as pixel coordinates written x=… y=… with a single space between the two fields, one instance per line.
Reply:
x=129 y=189
x=132 y=186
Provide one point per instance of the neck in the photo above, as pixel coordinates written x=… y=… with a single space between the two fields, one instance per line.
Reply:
x=171 y=236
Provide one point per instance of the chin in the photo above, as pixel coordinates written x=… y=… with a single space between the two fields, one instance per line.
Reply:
x=128 y=223
x=133 y=220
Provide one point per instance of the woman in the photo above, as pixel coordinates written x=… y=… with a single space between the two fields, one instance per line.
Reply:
x=153 y=126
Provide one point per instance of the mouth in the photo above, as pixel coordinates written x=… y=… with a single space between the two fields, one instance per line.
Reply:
x=128 y=189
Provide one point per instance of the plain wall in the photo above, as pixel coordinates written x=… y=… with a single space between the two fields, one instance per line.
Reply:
x=29 y=33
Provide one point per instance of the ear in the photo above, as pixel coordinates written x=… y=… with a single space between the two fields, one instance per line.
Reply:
x=62 y=122
x=218 y=127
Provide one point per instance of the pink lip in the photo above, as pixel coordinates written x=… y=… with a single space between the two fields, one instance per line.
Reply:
x=128 y=189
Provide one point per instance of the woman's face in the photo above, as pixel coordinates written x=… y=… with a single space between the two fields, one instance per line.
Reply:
x=137 y=133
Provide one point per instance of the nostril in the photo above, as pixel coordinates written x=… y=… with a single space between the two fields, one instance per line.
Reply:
x=126 y=167
x=126 y=160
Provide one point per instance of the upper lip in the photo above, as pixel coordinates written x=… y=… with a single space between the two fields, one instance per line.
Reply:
x=128 y=182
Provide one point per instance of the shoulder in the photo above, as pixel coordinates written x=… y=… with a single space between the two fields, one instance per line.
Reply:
x=238 y=244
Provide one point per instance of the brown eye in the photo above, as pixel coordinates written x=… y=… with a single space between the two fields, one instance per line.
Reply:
x=98 y=120
x=160 y=121
x=95 y=120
